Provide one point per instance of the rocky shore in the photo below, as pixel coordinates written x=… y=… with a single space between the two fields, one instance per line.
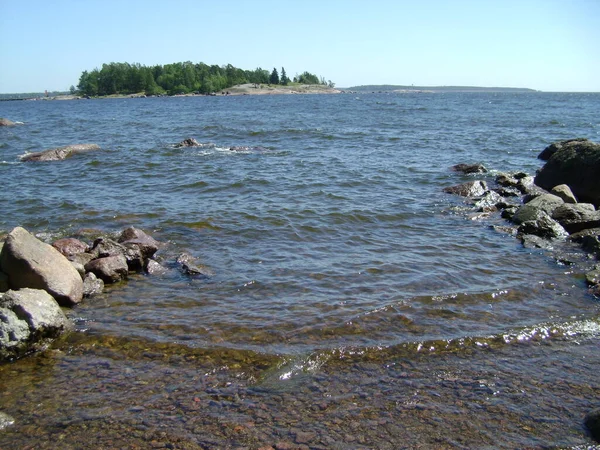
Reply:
x=557 y=205
x=37 y=279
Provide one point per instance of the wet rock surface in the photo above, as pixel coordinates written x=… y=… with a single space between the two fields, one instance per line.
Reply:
x=60 y=153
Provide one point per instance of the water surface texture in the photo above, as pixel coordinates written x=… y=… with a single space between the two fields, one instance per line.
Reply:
x=353 y=304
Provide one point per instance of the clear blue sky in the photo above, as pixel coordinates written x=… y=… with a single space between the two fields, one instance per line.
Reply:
x=550 y=45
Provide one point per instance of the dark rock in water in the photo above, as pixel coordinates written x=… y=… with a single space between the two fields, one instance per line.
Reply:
x=109 y=269
x=190 y=142
x=31 y=263
x=103 y=247
x=6 y=123
x=556 y=146
x=530 y=211
x=469 y=189
x=70 y=246
x=592 y=422
x=488 y=202
x=577 y=164
x=92 y=285
x=579 y=236
x=4 y=282
x=469 y=168
x=509 y=213
x=543 y=226
x=190 y=267
x=593 y=276
x=60 y=153
x=29 y=318
x=591 y=244
x=507 y=180
x=508 y=191
x=563 y=191
x=577 y=217
x=533 y=241
x=244 y=148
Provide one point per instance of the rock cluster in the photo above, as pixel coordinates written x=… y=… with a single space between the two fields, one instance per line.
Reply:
x=560 y=203
x=38 y=278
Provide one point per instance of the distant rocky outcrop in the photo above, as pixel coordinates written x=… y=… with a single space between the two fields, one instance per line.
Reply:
x=575 y=163
x=60 y=153
x=6 y=123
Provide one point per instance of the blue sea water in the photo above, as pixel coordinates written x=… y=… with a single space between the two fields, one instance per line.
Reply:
x=332 y=244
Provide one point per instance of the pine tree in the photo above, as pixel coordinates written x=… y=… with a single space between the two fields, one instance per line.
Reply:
x=284 y=79
x=274 y=78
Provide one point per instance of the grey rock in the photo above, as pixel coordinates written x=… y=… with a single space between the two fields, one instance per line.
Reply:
x=155 y=268
x=530 y=211
x=488 y=202
x=60 y=153
x=140 y=246
x=563 y=191
x=591 y=244
x=190 y=266
x=30 y=263
x=109 y=269
x=507 y=180
x=14 y=332
x=80 y=268
x=469 y=189
x=92 y=285
x=577 y=217
x=593 y=276
x=81 y=258
x=469 y=168
x=580 y=235
x=577 y=164
x=556 y=146
x=543 y=226
x=70 y=246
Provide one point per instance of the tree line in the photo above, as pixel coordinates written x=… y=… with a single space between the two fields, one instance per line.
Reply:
x=179 y=78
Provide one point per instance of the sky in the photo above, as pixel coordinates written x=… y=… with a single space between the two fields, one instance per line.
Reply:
x=548 y=45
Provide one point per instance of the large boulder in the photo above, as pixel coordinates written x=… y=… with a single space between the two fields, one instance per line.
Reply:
x=30 y=263
x=577 y=164
x=29 y=319
x=60 y=153
x=577 y=217
x=556 y=146
x=592 y=422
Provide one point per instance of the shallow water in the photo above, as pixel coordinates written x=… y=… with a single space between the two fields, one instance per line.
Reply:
x=353 y=305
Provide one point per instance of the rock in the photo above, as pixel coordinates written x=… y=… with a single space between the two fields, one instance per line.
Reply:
x=529 y=211
x=60 y=153
x=92 y=285
x=593 y=276
x=109 y=269
x=4 y=282
x=563 y=191
x=5 y=420
x=555 y=146
x=189 y=266
x=190 y=142
x=506 y=180
x=543 y=226
x=103 y=247
x=147 y=245
x=30 y=263
x=533 y=241
x=29 y=318
x=6 y=123
x=488 y=202
x=592 y=422
x=154 y=268
x=469 y=189
x=591 y=244
x=508 y=191
x=577 y=164
x=577 y=217
x=469 y=168
x=70 y=246
x=579 y=236
x=81 y=258
x=80 y=268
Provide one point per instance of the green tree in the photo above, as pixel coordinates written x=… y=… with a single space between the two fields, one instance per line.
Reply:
x=274 y=78
x=308 y=78
x=284 y=79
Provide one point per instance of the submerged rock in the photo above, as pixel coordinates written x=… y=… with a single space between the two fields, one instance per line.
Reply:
x=469 y=168
x=31 y=263
x=60 y=153
x=189 y=142
x=6 y=123
x=190 y=266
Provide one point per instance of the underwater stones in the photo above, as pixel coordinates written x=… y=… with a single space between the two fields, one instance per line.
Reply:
x=469 y=189
x=31 y=263
x=60 y=153
x=190 y=266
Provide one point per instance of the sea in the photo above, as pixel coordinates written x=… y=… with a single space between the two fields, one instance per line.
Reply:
x=346 y=301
